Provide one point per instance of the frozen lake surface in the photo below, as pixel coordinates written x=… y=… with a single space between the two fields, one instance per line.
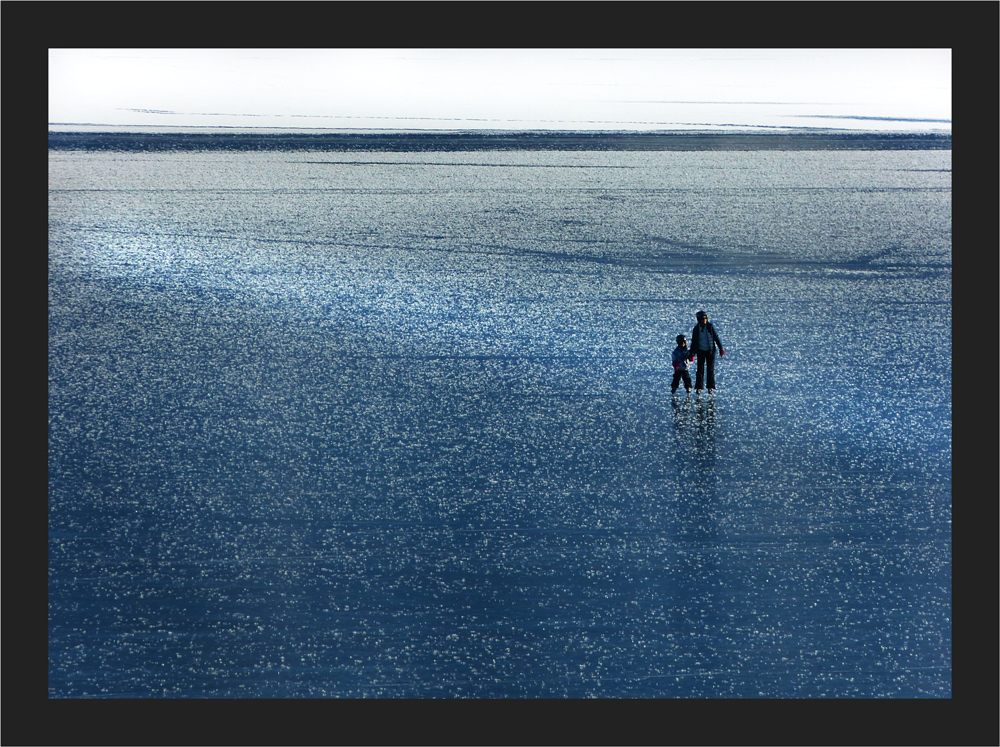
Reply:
x=371 y=424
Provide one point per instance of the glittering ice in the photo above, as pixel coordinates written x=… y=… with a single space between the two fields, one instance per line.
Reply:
x=400 y=425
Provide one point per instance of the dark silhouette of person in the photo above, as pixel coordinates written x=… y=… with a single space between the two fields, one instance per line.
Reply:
x=680 y=358
x=704 y=340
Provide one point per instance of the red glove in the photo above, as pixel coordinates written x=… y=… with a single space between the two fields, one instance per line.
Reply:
x=692 y=357
x=721 y=352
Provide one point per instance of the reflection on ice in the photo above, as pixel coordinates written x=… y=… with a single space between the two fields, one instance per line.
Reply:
x=323 y=430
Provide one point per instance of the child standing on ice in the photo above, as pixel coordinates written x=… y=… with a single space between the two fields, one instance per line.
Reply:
x=680 y=359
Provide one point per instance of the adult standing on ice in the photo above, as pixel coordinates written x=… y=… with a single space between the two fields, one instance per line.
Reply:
x=704 y=340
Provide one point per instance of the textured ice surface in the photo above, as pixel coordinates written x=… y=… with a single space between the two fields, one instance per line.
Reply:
x=400 y=425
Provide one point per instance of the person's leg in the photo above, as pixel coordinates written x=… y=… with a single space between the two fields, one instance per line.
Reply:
x=687 y=380
x=699 y=380
x=675 y=381
x=710 y=366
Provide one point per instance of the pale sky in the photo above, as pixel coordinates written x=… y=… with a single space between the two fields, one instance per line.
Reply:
x=507 y=89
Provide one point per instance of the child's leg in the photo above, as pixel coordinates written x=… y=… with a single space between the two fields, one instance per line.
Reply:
x=675 y=381
x=687 y=380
